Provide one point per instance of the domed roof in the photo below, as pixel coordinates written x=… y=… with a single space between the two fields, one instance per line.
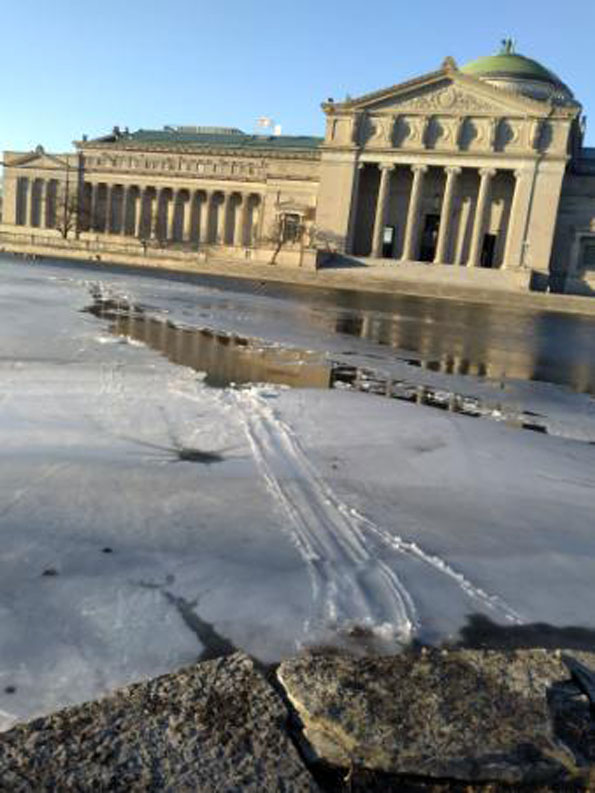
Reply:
x=516 y=72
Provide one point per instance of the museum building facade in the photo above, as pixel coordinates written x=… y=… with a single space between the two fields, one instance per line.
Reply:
x=469 y=173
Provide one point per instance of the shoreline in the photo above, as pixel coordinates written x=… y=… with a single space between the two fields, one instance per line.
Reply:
x=379 y=280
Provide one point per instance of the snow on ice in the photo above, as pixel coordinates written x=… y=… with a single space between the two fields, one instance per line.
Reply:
x=147 y=519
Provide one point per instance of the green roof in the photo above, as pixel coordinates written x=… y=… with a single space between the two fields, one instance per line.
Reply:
x=511 y=64
x=173 y=138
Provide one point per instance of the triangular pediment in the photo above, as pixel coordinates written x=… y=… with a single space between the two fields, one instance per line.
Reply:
x=449 y=92
x=41 y=160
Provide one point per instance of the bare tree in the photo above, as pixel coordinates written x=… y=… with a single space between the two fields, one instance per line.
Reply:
x=287 y=228
x=71 y=215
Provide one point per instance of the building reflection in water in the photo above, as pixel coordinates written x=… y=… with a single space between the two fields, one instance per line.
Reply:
x=437 y=335
x=468 y=339
x=225 y=359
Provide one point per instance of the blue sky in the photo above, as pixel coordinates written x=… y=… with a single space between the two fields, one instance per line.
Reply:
x=70 y=68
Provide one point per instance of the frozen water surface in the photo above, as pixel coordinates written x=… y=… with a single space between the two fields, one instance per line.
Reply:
x=152 y=513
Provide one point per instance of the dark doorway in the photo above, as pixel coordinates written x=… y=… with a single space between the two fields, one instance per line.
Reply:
x=429 y=238
x=487 y=251
x=388 y=242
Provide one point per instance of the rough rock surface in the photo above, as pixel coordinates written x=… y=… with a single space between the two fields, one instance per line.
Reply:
x=217 y=726
x=476 y=715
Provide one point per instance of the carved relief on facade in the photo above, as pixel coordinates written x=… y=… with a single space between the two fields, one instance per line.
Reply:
x=468 y=134
x=477 y=134
x=446 y=99
x=377 y=131
x=409 y=132
x=441 y=133
x=509 y=135
x=550 y=138
x=401 y=131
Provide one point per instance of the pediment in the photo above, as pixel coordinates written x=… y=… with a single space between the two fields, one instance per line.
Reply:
x=447 y=92
x=41 y=160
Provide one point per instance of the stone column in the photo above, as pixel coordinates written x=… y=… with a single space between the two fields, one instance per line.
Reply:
x=411 y=229
x=93 y=207
x=479 y=221
x=123 y=212
x=108 y=208
x=161 y=215
x=452 y=172
x=138 y=212
x=42 y=204
x=246 y=221
x=221 y=219
x=258 y=220
x=381 y=208
x=187 y=227
x=238 y=231
x=31 y=207
x=464 y=215
x=205 y=219
x=171 y=215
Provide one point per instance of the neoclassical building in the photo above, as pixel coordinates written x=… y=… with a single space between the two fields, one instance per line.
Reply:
x=475 y=174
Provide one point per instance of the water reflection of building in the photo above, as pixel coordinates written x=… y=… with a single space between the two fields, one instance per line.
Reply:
x=474 y=343
x=487 y=342
x=479 y=172
x=225 y=359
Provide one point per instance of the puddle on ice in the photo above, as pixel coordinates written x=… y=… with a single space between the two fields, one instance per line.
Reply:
x=225 y=359
x=231 y=360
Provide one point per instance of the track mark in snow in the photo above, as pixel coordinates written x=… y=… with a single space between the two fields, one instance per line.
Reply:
x=493 y=602
x=351 y=586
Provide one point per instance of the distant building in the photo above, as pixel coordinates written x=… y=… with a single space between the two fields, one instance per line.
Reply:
x=477 y=172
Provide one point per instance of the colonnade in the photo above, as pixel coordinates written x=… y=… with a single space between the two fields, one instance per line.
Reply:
x=217 y=216
x=411 y=238
x=223 y=217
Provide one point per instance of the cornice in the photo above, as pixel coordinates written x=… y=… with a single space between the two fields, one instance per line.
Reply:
x=270 y=153
x=525 y=106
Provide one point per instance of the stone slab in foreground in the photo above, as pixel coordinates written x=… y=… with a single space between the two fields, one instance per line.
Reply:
x=480 y=716
x=217 y=726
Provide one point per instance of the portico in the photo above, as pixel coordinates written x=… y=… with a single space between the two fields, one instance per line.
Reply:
x=457 y=167
x=443 y=214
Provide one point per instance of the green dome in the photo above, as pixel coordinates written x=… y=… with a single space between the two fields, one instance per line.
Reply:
x=514 y=72
x=511 y=65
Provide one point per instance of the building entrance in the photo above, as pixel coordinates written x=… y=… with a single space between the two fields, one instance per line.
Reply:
x=487 y=251
x=388 y=242
x=429 y=238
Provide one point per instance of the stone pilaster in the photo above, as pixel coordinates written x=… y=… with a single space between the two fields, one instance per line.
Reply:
x=517 y=224
x=349 y=245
